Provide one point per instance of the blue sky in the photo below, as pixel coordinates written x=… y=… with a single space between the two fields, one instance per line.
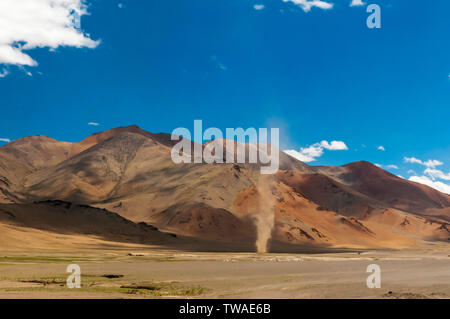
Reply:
x=318 y=74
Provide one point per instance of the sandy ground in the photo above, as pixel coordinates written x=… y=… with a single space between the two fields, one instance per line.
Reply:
x=151 y=273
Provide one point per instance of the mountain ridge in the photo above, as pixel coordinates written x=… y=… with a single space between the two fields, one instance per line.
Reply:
x=129 y=171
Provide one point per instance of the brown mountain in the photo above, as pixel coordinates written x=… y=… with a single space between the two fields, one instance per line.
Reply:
x=69 y=219
x=387 y=188
x=129 y=171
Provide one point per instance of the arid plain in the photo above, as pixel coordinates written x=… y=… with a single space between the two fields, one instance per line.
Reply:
x=143 y=272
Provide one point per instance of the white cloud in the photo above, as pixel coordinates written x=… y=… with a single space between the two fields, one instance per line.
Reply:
x=258 y=6
x=93 y=123
x=30 y=24
x=3 y=73
x=442 y=187
x=306 y=5
x=437 y=174
x=413 y=160
x=7 y=140
x=432 y=175
x=219 y=64
x=311 y=153
x=430 y=163
x=381 y=148
x=392 y=166
x=120 y=5
x=300 y=156
x=222 y=66
x=334 y=145
x=356 y=3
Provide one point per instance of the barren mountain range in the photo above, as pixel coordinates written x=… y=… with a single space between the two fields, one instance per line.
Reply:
x=121 y=185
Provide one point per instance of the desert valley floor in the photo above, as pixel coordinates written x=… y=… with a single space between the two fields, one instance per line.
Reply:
x=136 y=271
